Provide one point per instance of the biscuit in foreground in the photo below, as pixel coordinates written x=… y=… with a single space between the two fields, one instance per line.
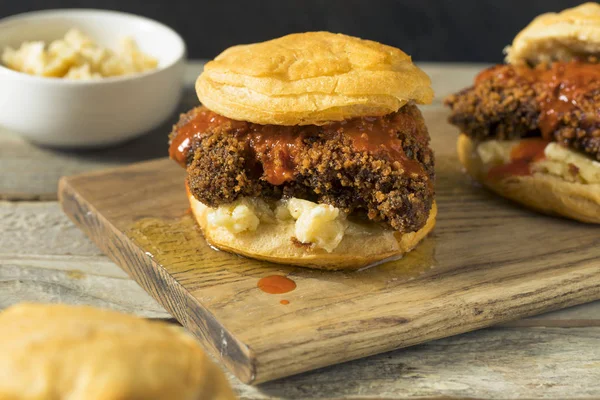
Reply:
x=542 y=192
x=80 y=352
x=273 y=243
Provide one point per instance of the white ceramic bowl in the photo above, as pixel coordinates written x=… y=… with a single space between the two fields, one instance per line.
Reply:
x=83 y=114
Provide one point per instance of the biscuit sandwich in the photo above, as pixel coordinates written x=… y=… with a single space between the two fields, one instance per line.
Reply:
x=310 y=150
x=80 y=352
x=531 y=127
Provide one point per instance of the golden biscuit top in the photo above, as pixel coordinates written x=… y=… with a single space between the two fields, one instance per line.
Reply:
x=558 y=37
x=60 y=351
x=311 y=78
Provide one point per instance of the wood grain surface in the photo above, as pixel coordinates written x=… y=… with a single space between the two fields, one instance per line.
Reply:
x=44 y=258
x=487 y=262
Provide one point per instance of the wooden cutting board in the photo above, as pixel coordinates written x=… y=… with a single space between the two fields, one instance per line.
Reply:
x=488 y=261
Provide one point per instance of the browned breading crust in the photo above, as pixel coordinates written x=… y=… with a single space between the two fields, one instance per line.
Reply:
x=508 y=106
x=495 y=109
x=223 y=166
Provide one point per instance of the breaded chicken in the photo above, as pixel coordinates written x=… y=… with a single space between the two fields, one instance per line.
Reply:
x=386 y=177
x=508 y=102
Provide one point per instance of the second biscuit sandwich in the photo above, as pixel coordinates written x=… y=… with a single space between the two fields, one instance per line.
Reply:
x=310 y=150
x=531 y=128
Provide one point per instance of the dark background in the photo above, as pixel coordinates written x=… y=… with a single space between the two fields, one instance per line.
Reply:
x=429 y=30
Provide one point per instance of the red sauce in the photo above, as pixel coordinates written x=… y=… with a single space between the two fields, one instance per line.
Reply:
x=284 y=302
x=529 y=150
x=566 y=84
x=277 y=145
x=514 y=168
x=504 y=72
x=521 y=156
x=559 y=87
x=378 y=136
x=276 y=284
x=182 y=143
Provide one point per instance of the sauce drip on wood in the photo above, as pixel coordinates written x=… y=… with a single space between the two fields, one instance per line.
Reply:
x=276 y=284
x=276 y=147
x=526 y=152
x=284 y=302
x=559 y=87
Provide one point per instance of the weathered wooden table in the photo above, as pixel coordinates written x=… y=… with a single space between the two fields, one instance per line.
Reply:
x=44 y=258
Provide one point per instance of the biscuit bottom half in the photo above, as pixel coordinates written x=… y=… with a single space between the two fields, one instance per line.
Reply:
x=557 y=181
x=299 y=232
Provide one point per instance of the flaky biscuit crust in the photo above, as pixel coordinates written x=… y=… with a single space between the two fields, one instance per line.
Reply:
x=558 y=37
x=310 y=79
x=545 y=193
x=80 y=352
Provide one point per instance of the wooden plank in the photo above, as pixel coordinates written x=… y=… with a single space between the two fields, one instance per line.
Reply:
x=45 y=258
x=40 y=228
x=32 y=173
x=486 y=271
x=584 y=315
x=549 y=363
x=38 y=236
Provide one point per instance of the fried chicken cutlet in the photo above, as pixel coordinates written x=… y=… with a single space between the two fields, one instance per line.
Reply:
x=511 y=102
x=387 y=177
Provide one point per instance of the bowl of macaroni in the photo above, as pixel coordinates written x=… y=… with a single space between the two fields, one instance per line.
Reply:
x=87 y=78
